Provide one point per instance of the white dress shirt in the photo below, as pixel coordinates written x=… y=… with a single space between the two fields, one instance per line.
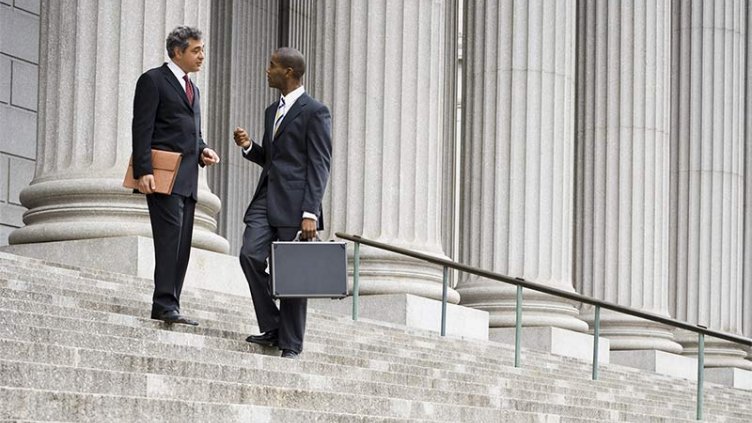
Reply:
x=289 y=101
x=178 y=72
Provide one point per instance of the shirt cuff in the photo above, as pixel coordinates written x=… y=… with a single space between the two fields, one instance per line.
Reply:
x=248 y=150
x=307 y=215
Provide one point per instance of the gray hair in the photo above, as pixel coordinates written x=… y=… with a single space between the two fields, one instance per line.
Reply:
x=179 y=37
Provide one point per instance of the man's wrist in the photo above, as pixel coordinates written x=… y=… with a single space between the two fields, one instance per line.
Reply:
x=311 y=216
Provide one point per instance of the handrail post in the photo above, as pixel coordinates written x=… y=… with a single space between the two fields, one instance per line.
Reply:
x=700 y=372
x=596 y=338
x=518 y=326
x=356 y=280
x=444 y=294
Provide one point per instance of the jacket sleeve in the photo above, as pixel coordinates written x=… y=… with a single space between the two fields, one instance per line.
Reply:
x=319 y=148
x=256 y=154
x=145 y=105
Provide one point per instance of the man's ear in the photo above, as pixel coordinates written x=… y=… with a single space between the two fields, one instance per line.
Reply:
x=177 y=53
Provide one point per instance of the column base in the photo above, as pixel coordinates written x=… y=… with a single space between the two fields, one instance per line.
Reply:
x=538 y=309
x=134 y=255
x=555 y=341
x=657 y=361
x=412 y=311
x=386 y=273
x=631 y=333
x=718 y=352
x=728 y=376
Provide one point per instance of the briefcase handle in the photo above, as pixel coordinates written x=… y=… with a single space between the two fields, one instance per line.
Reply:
x=297 y=237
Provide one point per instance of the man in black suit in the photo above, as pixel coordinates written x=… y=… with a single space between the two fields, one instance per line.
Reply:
x=167 y=116
x=295 y=154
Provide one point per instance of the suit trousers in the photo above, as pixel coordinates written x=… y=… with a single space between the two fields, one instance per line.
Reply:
x=290 y=318
x=172 y=229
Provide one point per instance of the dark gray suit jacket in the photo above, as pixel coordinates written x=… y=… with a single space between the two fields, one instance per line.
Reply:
x=296 y=162
x=164 y=120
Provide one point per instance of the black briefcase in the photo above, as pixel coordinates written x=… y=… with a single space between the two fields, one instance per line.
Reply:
x=309 y=269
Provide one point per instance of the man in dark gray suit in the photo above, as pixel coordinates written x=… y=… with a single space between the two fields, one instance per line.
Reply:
x=167 y=116
x=295 y=154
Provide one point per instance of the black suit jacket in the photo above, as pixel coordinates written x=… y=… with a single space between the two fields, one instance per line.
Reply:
x=296 y=162
x=164 y=120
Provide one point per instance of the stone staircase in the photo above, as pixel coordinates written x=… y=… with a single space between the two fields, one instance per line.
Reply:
x=77 y=345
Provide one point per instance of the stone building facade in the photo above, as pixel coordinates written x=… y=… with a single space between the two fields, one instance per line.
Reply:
x=603 y=146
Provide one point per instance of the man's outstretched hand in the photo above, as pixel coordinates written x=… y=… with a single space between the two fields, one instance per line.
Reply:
x=241 y=138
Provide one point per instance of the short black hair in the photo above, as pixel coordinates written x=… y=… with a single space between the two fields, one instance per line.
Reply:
x=179 y=37
x=292 y=58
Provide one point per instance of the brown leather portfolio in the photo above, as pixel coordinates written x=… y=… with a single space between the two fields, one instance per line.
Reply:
x=165 y=165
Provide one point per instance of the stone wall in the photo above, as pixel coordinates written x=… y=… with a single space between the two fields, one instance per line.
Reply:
x=19 y=59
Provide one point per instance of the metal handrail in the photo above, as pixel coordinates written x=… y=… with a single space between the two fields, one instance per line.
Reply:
x=548 y=290
x=522 y=283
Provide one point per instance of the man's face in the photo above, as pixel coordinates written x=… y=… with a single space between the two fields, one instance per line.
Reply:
x=276 y=73
x=191 y=59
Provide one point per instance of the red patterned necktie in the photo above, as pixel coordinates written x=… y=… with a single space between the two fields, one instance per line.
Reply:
x=188 y=89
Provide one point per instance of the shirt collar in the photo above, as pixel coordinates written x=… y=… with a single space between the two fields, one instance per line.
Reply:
x=176 y=70
x=292 y=96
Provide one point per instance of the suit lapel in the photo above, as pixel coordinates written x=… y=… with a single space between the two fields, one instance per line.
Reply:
x=300 y=103
x=269 y=124
x=173 y=80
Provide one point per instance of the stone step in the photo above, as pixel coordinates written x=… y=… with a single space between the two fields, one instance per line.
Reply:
x=75 y=305
x=383 y=362
x=35 y=405
x=140 y=308
x=107 y=382
x=301 y=380
x=84 y=356
x=99 y=319
x=366 y=343
x=58 y=322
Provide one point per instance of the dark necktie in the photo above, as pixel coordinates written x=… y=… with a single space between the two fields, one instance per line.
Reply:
x=188 y=89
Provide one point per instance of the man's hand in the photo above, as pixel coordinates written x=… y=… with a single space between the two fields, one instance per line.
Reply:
x=146 y=184
x=209 y=157
x=307 y=229
x=241 y=138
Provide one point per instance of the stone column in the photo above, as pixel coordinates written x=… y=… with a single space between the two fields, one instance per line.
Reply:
x=622 y=183
x=380 y=70
x=242 y=40
x=449 y=193
x=707 y=174
x=518 y=157
x=92 y=53
x=747 y=270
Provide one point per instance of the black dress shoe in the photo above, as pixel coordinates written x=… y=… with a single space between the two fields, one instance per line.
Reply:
x=266 y=339
x=172 y=316
x=289 y=354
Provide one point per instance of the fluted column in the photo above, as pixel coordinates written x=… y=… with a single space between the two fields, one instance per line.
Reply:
x=380 y=70
x=708 y=172
x=449 y=217
x=622 y=183
x=92 y=53
x=747 y=269
x=242 y=41
x=518 y=156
